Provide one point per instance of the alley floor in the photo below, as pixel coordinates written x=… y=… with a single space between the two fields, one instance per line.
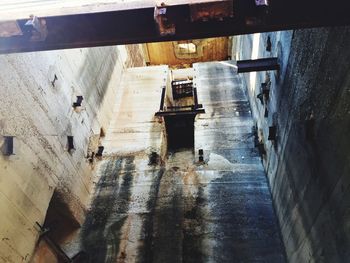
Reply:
x=183 y=210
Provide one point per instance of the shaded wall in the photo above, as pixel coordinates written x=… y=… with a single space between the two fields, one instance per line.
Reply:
x=37 y=91
x=308 y=163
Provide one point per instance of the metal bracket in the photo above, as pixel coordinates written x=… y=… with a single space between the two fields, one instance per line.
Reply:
x=36 y=29
x=165 y=26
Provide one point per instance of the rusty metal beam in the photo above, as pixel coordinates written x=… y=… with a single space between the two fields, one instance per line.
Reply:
x=139 y=25
x=262 y=64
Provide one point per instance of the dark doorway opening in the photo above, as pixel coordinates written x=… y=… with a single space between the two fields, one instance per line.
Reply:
x=180 y=131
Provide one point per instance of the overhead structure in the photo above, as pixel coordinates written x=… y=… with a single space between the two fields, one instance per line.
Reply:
x=86 y=23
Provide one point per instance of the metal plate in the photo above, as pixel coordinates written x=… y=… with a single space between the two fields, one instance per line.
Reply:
x=10 y=29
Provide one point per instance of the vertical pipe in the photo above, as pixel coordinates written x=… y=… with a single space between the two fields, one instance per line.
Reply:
x=162 y=100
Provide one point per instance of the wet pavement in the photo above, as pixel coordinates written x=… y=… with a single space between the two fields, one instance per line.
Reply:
x=182 y=210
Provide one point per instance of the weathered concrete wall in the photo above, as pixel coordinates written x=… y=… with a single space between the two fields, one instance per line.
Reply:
x=308 y=164
x=134 y=127
x=37 y=91
x=119 y=221
x=179 y=209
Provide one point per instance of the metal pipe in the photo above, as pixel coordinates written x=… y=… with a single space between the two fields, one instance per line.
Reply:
x=263 y=64
x=161 y=107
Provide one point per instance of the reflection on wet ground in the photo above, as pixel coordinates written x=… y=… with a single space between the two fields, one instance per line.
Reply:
x=185 y=211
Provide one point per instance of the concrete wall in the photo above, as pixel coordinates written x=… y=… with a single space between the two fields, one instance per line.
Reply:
x=36 y=95
x=123 y=178
x=308 y=163
x=177 y=209
x=134 y=128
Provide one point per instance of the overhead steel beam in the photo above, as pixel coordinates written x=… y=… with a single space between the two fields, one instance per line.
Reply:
x=179 y=22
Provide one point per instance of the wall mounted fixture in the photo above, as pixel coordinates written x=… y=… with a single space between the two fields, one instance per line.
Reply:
x=78 y=102
x=100 y=151
x=200 y=154
x=266 y=113
x=260 y=96
x=272 y=133
x=54 y=80
x=70 y=143
x=7 y=148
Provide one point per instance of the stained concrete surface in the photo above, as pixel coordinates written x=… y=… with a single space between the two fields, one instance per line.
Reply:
x=308 y=165
x=317 y=84
x=181 y=210
x=36 y=108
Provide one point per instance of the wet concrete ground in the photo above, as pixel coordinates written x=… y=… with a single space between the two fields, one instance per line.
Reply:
x=183 y=210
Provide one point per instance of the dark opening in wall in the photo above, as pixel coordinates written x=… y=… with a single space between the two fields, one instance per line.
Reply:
x=180 y=131
x=58 y=229
x=59 y=219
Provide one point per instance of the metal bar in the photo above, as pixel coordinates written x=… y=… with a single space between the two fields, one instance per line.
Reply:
x=161 y=107
x=138 y=25
x=184 y=107
x=177 y=113
x=263 y=64
x=195 y=97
